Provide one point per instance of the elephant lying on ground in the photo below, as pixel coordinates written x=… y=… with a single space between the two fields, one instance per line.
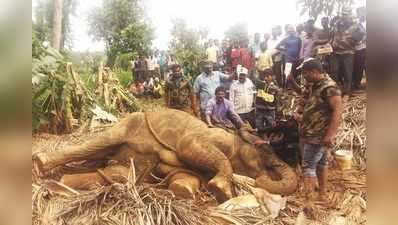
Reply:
x=178 y=145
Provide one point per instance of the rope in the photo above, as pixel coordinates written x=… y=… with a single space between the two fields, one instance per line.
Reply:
x=155 y=135
x=173 y=172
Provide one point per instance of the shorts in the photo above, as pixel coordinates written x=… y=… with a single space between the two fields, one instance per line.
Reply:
x=314 y=155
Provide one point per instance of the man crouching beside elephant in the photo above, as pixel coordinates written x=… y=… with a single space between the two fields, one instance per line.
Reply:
x=220 y=111
x=182 y=152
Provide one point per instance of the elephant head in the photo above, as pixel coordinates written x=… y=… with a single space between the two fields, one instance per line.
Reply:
x=276 y=176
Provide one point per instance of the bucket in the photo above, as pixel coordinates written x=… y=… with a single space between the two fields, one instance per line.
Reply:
x=343 y=159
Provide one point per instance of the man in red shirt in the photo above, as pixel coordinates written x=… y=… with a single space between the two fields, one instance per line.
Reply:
x=245 y=56
x=235 y=55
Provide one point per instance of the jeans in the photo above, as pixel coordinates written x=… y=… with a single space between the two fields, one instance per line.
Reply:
x=342 y=66
x=314 y=156
x=359 y=67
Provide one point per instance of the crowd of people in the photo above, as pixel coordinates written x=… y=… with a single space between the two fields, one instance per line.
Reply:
x=242 y=82
x=150 y=72
x=340 y=44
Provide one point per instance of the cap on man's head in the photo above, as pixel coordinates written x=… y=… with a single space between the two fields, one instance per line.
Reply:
x=241 y=70
x=310 y=64
x=244 y=71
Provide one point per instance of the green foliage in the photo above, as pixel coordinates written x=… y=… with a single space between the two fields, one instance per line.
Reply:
x=123 y=27
x=237 y=32
x=122 y=61
x=63 y=99
x=185 y=46
x=59 y=96
x=314 y=8
x=68 y=9
x=124 y=77
x=87 y=62
x=38 y=38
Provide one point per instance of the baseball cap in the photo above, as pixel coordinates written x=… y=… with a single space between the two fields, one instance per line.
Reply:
x=310 y=64
x=240 y=69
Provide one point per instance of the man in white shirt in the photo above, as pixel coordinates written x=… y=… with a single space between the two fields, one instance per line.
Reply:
x=151 y=65
x=241 y=94
x=155 y=61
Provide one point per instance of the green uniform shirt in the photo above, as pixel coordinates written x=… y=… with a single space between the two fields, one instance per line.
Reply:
x=317 y=112
x=179 y=91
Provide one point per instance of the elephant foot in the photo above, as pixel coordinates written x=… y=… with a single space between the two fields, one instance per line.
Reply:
x=221 y=188
x=184 y=185
x=181 y=189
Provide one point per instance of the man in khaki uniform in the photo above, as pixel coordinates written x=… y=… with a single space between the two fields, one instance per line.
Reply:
x=179 y=92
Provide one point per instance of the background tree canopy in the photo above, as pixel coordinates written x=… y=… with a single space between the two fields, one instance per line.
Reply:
x=42 y=25
x=314 y=8
x=123 y=26
x=237 y=32
x=186 y=46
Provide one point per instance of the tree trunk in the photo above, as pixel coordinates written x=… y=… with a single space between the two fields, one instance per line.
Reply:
x=57 y=24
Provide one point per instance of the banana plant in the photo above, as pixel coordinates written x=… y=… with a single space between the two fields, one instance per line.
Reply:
x=59 y=95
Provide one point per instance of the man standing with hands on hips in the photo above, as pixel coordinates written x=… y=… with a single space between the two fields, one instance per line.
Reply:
x=318 y=126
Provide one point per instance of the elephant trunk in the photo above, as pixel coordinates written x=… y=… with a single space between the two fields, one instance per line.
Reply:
x=285 y=182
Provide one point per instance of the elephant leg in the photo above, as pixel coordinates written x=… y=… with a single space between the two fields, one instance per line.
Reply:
x=83 y=181
x=170 y=158
x=204 y=155
x=87 y=181
x=182 y=182
x=99 y=145
x=184 y=185
x=163 y=169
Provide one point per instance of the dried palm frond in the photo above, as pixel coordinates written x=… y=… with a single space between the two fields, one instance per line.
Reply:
x=112 y=95
x=351 y=135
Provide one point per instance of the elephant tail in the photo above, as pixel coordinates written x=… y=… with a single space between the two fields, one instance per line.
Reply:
x=283 y=182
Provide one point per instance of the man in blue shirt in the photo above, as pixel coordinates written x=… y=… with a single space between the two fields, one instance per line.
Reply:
x=205 y=85
x=290 y=47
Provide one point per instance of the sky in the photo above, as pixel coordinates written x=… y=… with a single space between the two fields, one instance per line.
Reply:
x=216 y=15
